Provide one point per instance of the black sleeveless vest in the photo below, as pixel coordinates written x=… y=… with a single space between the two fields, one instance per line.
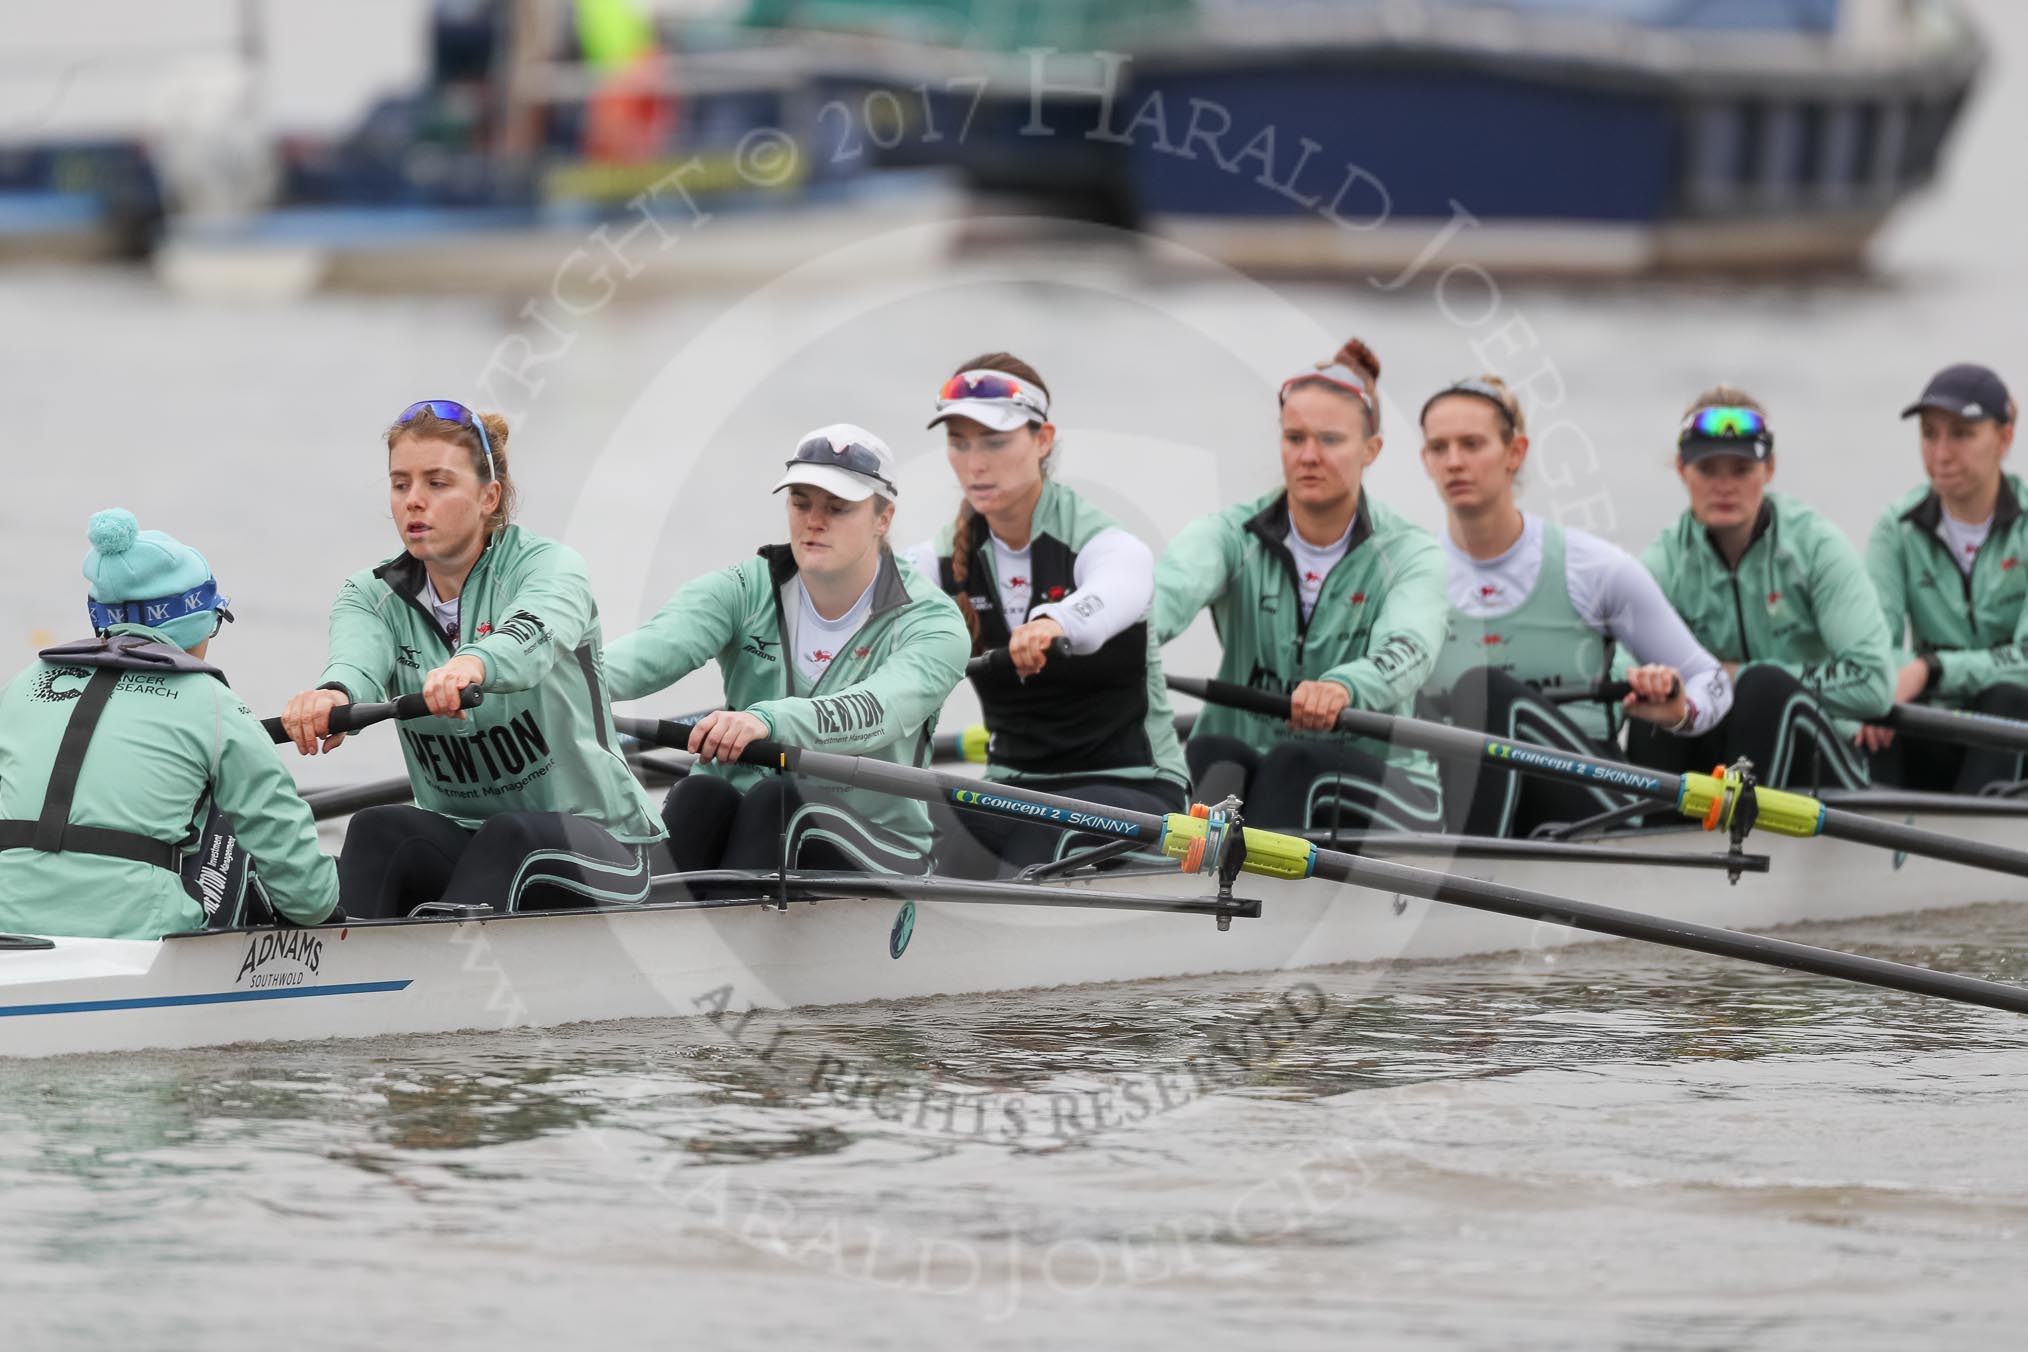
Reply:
x=1078 y=714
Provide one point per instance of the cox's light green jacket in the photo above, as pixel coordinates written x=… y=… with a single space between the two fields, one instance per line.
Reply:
x=167 y=747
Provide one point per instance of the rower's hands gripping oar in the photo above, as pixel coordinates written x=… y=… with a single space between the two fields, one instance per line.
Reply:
x=689 y=735
x=1653 y=694
x=1724 y=800
x=328 y=720
x=1010 y=658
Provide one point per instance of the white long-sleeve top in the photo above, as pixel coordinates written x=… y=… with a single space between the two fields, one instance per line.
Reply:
x=1115 y=586
x=1611 y=592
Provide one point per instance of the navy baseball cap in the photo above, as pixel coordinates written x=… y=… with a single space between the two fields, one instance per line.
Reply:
x=1966 y=390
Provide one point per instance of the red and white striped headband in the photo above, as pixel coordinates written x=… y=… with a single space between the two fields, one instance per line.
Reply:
x=1344 y=377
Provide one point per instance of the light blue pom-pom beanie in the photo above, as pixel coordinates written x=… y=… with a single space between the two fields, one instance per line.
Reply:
x=127 y=564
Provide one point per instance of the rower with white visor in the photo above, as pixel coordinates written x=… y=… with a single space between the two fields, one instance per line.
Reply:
x=829 y=642
x=1033 y=564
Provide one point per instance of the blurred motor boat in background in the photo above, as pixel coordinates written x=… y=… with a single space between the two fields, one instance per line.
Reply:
x=566 y=145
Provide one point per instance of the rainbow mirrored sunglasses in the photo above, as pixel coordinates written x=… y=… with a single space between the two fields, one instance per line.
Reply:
x=1725 y=422
x=450 y=410
x=996 y=385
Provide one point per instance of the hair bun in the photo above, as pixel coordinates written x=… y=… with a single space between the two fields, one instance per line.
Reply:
x=113 y=531
x=1359 y=357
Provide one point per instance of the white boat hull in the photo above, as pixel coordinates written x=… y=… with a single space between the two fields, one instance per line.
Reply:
x=687 y=959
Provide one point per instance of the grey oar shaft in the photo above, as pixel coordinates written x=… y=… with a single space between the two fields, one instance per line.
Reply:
x=1450 y=743
x=1477 y=748
x=1842 y=824
x=929 y=786
x=1724 y=943
x=1961 y=726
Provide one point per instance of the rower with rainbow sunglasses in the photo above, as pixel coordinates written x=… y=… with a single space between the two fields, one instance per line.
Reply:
x=525 y=801
x=1779 y=595
x=1033 y=564
x=1324 y=594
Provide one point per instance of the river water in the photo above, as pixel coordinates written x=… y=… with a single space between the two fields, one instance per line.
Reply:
x=1620 y=1145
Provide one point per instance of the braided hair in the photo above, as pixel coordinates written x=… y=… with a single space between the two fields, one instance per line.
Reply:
x=966 y=532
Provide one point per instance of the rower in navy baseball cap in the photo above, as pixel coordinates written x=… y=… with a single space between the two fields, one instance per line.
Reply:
x=1968 y=391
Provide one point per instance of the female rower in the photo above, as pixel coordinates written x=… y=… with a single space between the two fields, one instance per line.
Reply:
x=828 y=642
x=526 y=800
x=1534 y=606
x=1032 y=563
x=1779 y=595
x=1946 y=560
x=1319 y=591
x=113 y=749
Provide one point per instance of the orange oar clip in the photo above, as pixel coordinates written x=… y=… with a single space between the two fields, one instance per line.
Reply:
x=1193 y=854
x=1718 y=800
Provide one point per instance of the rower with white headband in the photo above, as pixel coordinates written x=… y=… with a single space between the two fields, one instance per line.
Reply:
x=1534 y=607
x=1033 y=564
x=1324 y=594
x=828 y=642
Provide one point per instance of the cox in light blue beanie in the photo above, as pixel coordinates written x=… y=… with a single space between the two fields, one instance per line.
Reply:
x=149 y=577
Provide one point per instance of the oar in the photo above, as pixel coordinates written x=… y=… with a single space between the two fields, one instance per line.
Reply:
x=967 y=745
x=1932 y=722
x=353 y=717
x=1274 y=855
x=999 y=659
x=1605 y=692
x=1962 y=726
x=345 y=799
x=1712 y=799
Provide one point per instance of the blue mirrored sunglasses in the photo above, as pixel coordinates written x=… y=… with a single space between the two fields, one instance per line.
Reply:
x=450 y=410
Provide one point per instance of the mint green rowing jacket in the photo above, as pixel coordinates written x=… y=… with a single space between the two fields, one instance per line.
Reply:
x=168 y=746
x=877 y=698
x=543 y=740
x=1975 y=624
x=1799 y=600
x=1377 y=627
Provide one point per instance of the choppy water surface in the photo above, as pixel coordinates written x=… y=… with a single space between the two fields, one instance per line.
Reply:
x=1620 y=1143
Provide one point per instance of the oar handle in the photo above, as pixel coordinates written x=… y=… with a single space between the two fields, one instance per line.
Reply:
x=353 y=717
x=675 y=735
x=1232 y=696
x=1605 y=692
x=999 y=659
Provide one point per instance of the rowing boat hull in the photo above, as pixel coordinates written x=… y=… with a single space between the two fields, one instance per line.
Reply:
x=681 y=958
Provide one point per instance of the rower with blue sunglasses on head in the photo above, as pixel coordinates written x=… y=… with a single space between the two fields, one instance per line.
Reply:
x=1950 y=561
x=525 y=801
x=124 y=756
x=1535 y=607
x=1032 y=564
x=828 y=642
x=1322 y=593
x=1778 y=594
